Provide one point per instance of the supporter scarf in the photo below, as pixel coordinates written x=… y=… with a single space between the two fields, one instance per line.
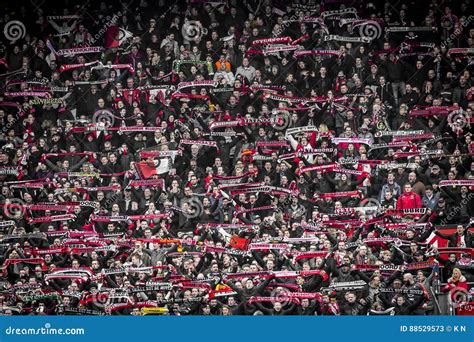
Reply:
x=392 y=144
x=229 y=226
x=50 y=101
x=147 y=304
x=230 y=251
x=302 y=53
x=67 y=67
x=148 y=182
x=305 y=152
x=338 y=13
x=254 y=299
x=229 y=179
x=83 y=311
x=410 y=137
x=7 y=223
x=341 y=140
x=184 y=85
x=78 y=51
x=350 y=172
x=41 y=207
x=339 y=194
x=456 y=51
x=401 y=291
x=407 y=226
x=394 y=29
x=433 y=110
x=391 y=166
x=262 y=208
x=23 y=236
x=27 y=93
x=80 y=154
x=378 y=241
x=86 y=189
x=348 y=285
x=33 y=261
x=310 y=255
x=276 y=49
x=399 y=155
x=458 y=182
x=62 y=17
x=397 y=133
x=198 y=142
x=258 y=157
x=274 y=190
x=38 y=185
x=302 y=295
x=157 y=154
x=323 y=168
x=96 y=218
x=266 y=246
x=10 y=170
x=303 y=129
x=336 y=37
x=352 y=210
x=274 y=143
x=177 y=64
x=267 y=41
x=54 y=218
x=189 y=96
x=403 y=212
x=78 y=174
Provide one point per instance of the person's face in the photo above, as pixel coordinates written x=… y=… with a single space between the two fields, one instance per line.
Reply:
x=351 y=298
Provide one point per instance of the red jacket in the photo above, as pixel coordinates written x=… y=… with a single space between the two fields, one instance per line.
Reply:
x=409 y=201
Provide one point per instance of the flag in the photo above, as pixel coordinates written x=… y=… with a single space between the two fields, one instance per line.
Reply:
x=439 y=242
x=147 y=169
x=221 y=291
x=238 y=242
x=115 y=36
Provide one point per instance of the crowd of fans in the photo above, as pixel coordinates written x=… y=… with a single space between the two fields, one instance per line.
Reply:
x=236 y=158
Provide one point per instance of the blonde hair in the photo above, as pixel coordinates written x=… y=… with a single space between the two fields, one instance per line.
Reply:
x=458 y=272
x=323 y=128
